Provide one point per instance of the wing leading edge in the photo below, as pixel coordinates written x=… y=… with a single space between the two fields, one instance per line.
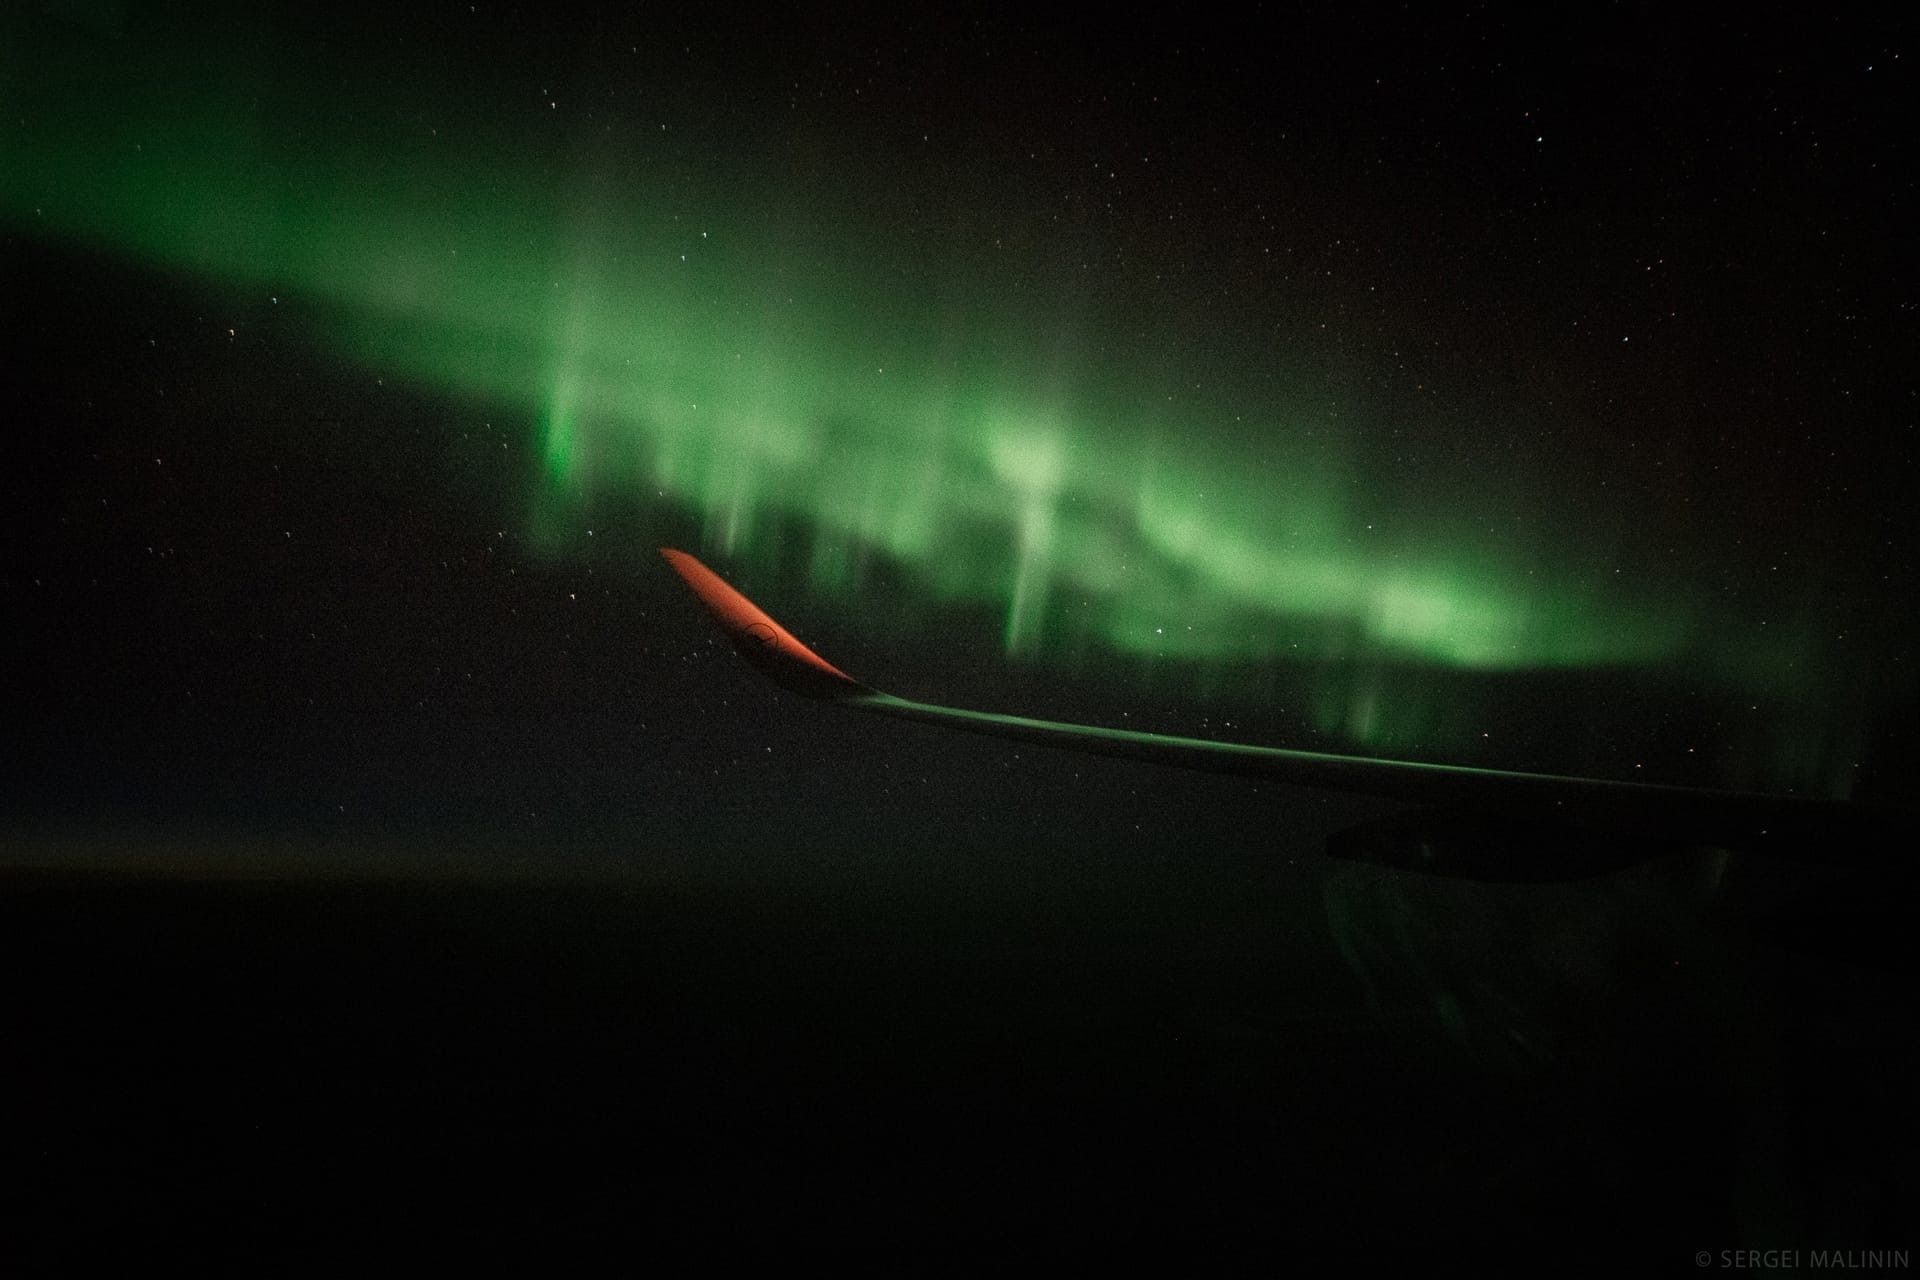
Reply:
x=1543 y=826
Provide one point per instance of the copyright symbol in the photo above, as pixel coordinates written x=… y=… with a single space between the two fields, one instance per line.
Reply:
x=1703 y=1259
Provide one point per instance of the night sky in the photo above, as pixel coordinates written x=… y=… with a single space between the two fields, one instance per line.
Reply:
x=1527 y=389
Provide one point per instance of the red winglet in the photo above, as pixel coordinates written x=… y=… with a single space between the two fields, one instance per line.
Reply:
x=760 y=640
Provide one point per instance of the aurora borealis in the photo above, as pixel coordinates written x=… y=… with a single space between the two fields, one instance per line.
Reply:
x=1201 y=398
x=398 y=865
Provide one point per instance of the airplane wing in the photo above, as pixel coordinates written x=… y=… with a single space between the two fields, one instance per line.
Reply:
x=1476 y=823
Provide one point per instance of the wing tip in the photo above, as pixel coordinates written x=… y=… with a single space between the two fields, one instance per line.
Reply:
x=770 y=647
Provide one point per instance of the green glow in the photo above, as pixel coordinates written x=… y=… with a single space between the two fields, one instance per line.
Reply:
x=702 y=335
x=559 y=457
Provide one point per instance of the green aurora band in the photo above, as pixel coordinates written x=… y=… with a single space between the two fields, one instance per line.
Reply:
x=825 y=397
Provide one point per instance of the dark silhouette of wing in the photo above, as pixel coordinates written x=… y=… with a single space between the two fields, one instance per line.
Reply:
x=1477 y=823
